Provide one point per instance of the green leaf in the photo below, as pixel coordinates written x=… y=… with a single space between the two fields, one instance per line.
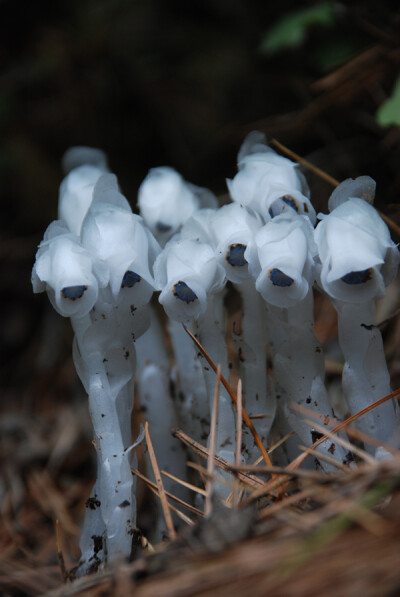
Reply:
x=388 y=113
x=291 y=30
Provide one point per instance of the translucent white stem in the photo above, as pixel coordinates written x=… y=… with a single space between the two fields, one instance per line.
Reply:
x=365 y=374
x=192 y=405
x=299 y=372
x=251 y=341
x=111 y=515
x=159 y=410
x=212 y=337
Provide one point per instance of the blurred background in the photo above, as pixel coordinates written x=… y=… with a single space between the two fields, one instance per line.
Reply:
x=153 y=83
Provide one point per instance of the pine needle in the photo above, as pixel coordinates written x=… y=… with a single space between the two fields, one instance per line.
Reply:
x=160 y=485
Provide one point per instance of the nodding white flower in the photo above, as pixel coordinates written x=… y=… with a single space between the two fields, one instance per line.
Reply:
x=281 y=259
x=166 y=201
x=267 y=182
x=76 y=194
x=228 y=230
x=185 y=271
x=357 y=254
x=67 y=271
x=118 y=237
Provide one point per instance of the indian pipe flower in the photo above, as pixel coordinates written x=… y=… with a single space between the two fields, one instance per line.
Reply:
x=67 y=271
x=166 y=201
x=358 y=256
x=268 y=183
x=185 y=272
x=281 y=259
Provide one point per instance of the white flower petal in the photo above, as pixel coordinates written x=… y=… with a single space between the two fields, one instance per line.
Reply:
x=354 y=243
x=67 y=271
x=75 y=195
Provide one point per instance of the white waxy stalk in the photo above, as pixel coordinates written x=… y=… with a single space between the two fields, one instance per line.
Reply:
x=359 y=260
x=166 y=201
x=281 y=259
x=229 y=230
x=268 y=183
x=153 y=386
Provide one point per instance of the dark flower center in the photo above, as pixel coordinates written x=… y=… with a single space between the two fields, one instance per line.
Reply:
x=73 y=293
x=130 y=279
x=184 y=293
x=278 y=278
x=357 y=277
x=161 y=227
x=235 y=255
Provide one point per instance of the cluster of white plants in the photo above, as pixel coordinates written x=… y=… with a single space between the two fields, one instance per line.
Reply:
x=100 y=265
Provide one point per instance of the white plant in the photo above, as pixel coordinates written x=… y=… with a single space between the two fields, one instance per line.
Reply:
x=191 y=282
x=358 y=260
x=268 y=183
x=281 y=259
x=229 y=230
x=166 y=201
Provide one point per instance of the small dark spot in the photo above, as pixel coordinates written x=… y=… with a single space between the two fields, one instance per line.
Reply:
x=318 y=349
x=115 y=455
x=97 y=543
x=92 y=503
x=289 y=200
x=230 y=365
x=105 y=360
x=360 y=277
x=207 y=368
x=315 y=435
x=278 y=278
x=308 y=401
x=368 y=327
x=305 y=206
x=133 y=309
x=348 y=458
x=181 y=397
x=130 y=279
x=124 y=504
x=240 y=355
x=73 y=293
x=103 y=316
x=161 y=227
x=332 y=449
x=133 y=336
x=182 y=291
x=103 y=415
x=235 y=255
x=316 y=403
x=126 y=355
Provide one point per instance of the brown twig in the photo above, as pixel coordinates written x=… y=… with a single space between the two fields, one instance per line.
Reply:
x=213 y=442
x=160 y=485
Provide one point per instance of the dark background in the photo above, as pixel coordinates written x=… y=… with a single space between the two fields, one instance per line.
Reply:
x=152 y=83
